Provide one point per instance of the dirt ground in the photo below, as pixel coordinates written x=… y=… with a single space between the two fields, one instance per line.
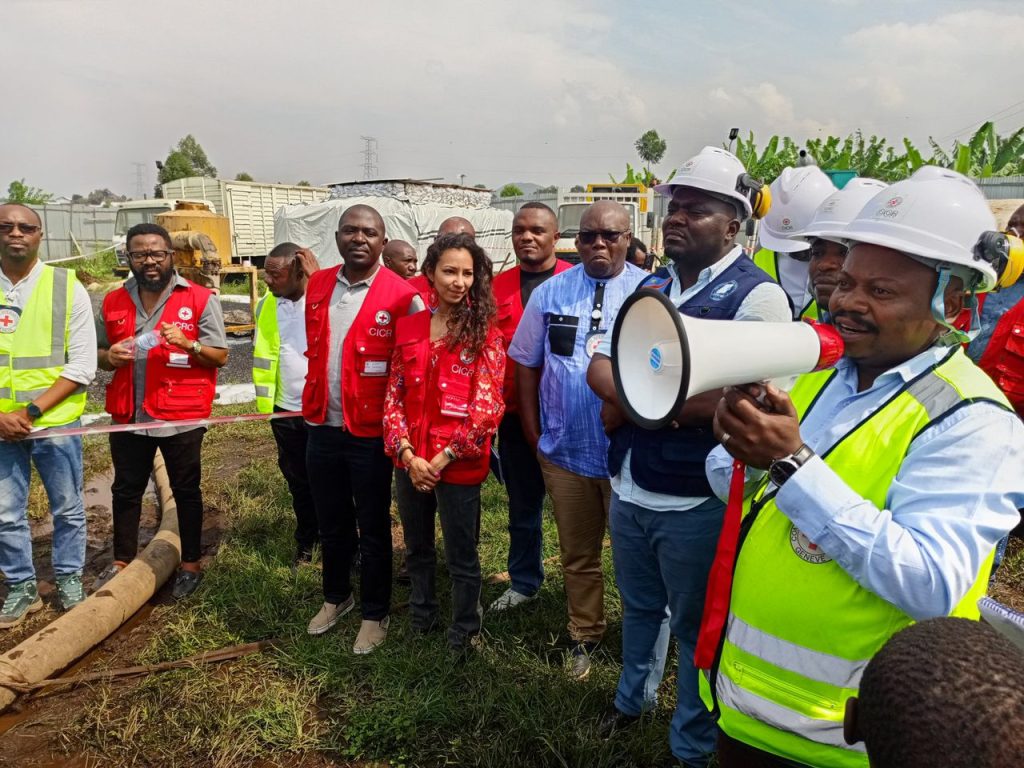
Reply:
x=30 y=730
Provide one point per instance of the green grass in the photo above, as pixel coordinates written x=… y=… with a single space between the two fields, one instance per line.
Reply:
x=407 y=704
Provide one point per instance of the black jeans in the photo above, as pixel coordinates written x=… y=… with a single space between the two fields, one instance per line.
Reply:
x=524 y=484
x=290 y=436
x=350 y=479
x=132 y=454
x=459 y=507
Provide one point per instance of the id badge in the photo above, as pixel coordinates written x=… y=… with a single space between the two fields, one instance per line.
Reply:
x=454 y=406
x=10 y=316
x=179 y=360
x=593 y=340
x=375 y=368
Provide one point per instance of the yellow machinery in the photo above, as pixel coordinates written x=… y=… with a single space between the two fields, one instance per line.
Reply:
x=202 y=250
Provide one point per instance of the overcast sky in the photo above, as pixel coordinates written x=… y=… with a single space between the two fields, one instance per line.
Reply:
x=548 y=92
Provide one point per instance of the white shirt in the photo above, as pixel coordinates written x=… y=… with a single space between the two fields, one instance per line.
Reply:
x=292 y=363
x=795 y=282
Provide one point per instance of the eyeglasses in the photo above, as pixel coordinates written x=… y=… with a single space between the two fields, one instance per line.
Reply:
x=6 y=227
x=158 y=257
x=589 y=237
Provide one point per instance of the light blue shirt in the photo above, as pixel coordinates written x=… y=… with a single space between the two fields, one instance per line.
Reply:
x=570 y=413
x=767 y=302
x=955 y=496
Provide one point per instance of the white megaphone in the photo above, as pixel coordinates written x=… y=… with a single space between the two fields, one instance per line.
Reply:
x=660 y=357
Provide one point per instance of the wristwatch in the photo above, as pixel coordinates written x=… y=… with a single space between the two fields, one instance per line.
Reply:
x=33 y=411
x=450 y=453
x=782 y=469
x=196 y=347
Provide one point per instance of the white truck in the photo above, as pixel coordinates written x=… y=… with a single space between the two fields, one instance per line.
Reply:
x=645 y=226
x=248 y=205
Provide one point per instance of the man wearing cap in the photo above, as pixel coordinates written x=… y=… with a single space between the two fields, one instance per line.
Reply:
x=796 y=195
x=877 y=491
x=561 y=326
x=47 y=359
x=664 y=517
x=828 y=253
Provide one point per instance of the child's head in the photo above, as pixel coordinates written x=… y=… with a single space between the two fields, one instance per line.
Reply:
x=944 y=692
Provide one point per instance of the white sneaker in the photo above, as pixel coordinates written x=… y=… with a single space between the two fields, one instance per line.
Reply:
x=510 y=599
x=328 y=616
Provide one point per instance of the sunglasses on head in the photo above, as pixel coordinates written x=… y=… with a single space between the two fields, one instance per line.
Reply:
x=6 y=227
x=589 y=237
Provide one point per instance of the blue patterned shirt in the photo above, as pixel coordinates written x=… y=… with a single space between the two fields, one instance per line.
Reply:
x=553 y=335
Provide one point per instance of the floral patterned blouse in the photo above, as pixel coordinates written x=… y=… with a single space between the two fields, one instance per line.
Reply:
x=485 y=409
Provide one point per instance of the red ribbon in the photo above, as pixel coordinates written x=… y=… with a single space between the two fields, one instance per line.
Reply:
x=716 y=600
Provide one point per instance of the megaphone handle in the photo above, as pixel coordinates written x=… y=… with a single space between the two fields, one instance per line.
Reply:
x=716 y=599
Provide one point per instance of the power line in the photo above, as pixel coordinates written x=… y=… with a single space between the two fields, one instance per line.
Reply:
x=369 y=157
x=994 y=116
x=140 y=184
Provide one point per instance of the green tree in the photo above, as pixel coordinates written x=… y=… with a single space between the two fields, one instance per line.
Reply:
x=243 y=176
x=187 y=159
x=581 y=188
x=19 y=192
x=304 y=183
x=549 y=190
x=510 y=190
x=985 y=154
x=651 y=148
x=99 y=197
x=479 y=186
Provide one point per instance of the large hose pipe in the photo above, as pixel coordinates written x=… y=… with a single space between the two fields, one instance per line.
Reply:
x=69 y=637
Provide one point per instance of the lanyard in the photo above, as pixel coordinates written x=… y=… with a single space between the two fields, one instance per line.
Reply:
x=596 y=314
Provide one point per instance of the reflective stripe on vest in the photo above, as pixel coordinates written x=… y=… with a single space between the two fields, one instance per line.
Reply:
x=33 y=357
x=801 y=629
x=769 y=262
x=266 y=354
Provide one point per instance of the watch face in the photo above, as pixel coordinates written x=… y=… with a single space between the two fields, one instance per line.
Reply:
x=780 y=471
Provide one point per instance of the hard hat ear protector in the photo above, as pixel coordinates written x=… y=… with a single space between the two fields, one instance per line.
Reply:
x=1005 y=252
x=756 y=192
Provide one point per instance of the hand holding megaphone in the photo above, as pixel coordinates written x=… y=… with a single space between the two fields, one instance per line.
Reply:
x=757 y=433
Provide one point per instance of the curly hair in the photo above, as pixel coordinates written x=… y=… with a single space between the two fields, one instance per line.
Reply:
x=470 y=321
x=945 y=692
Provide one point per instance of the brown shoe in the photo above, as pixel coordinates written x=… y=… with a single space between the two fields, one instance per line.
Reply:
x=372 y=635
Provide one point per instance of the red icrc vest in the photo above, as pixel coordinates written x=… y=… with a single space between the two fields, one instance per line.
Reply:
x=177 y=387
x=366 y=351
x=437 y=398
x=1003 y=359
x=509 y=299
x=422 y=286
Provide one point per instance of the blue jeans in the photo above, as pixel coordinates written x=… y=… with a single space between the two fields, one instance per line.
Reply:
x=59 y=464
x=662 y=560
x=525 y=486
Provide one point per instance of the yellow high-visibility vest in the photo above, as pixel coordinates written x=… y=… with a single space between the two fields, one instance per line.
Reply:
x=769 y=262
x=266 y=354
x=33 y=356
x=800 y=629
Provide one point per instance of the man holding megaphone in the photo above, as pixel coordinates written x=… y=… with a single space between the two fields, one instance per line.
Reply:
x=664 y=518
x=876 y=492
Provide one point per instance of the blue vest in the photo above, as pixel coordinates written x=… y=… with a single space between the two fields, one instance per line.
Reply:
x=671 y=461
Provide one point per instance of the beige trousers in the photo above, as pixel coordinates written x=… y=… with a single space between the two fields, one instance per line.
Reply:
x=581 y=515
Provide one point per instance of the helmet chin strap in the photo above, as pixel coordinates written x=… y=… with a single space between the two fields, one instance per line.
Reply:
x=953 y=335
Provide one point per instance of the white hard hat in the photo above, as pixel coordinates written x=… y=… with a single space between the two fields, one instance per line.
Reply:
x=796 y=195
x=936 y=217
x=713 y=170
x=840 y=207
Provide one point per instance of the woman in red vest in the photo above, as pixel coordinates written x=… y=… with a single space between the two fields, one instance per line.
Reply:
x=443 y=405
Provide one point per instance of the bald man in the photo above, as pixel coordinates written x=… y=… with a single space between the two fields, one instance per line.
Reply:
x=400 y=258
x=456 y=225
